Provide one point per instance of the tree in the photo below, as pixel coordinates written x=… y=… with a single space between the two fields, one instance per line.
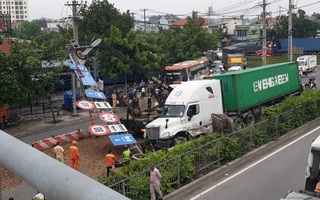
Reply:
x=135 y=46
x=41 y=22
x=302 y=27
x=10 y=90
x=16 y=71
x=22 y=75
x=178 y=44
x=50 y=47
x=27 y=30
x=99 y=17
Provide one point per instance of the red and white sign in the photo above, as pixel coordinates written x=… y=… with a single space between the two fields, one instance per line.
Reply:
x=80 y=54
x=109 y=117
x=85 y=105
x=98 y=130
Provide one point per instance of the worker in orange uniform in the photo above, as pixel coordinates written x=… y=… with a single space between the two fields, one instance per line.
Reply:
x=317 y=189
x=74 y=155
x=110 y=162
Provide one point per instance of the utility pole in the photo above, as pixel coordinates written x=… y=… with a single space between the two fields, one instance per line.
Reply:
x=75 y=20
x=280 y=11
x=144 y=19
x=290 y=32
x=74 y=5
x=264 y=33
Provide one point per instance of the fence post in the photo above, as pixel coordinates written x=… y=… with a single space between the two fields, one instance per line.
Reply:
x=218 y=147
x=123 y=188
x=179 y=158
x=277 y=124
x=251 y=136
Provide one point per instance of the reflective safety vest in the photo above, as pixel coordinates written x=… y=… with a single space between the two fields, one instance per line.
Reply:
x=126 y=155
x=74 y=153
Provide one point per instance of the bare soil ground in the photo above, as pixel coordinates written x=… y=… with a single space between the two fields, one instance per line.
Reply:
x=92 y=152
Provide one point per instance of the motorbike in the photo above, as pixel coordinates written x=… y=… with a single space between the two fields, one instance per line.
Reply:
x=8 y=121
x=310 y=85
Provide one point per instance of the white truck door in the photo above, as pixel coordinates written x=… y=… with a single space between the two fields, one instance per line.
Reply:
x=194 y=119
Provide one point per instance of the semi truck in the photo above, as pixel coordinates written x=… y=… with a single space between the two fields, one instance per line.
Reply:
x=308 y=45
x=307 y=63
x=238 y=95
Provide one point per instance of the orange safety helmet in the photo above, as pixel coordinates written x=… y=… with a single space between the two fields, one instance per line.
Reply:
x=74 y=142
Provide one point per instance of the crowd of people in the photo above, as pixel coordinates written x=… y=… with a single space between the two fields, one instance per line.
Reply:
x=135 y=93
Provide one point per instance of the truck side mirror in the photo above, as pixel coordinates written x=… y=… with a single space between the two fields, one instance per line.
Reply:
x=190 y=114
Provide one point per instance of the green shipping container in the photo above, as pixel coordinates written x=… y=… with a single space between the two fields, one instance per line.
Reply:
x=242 y=90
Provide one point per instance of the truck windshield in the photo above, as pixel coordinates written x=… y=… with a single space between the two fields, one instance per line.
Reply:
x=173 y=110
x=173 y=76
x=235 y=64
x=301 y=63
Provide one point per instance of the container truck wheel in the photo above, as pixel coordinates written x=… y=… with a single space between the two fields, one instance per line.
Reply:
x=176 y=139
x=250 y=119
x=238 y=123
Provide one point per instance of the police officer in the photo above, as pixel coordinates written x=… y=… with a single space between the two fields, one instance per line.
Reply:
x=149 y=99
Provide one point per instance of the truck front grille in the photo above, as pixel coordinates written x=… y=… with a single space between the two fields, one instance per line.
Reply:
x=153 y=133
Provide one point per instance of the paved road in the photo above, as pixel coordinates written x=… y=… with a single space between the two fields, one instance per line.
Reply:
x=267 y=179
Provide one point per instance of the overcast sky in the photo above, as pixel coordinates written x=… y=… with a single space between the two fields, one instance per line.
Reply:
x=56 y=9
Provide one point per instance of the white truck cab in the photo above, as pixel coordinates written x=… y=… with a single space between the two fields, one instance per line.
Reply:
x=313 y=166
x=187 y=111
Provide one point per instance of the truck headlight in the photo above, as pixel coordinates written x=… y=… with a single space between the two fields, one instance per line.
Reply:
x=165 y=134
x=145 y=133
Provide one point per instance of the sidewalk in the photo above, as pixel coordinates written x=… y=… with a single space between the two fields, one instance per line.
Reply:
x=34 y=124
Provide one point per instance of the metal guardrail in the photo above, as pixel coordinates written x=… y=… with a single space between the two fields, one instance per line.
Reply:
x=208 y=154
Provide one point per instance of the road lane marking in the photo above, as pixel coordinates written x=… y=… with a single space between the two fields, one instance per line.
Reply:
x=252 y=165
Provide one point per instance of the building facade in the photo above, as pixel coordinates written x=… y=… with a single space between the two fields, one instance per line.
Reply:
x=17 y=9
x=251 y=32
